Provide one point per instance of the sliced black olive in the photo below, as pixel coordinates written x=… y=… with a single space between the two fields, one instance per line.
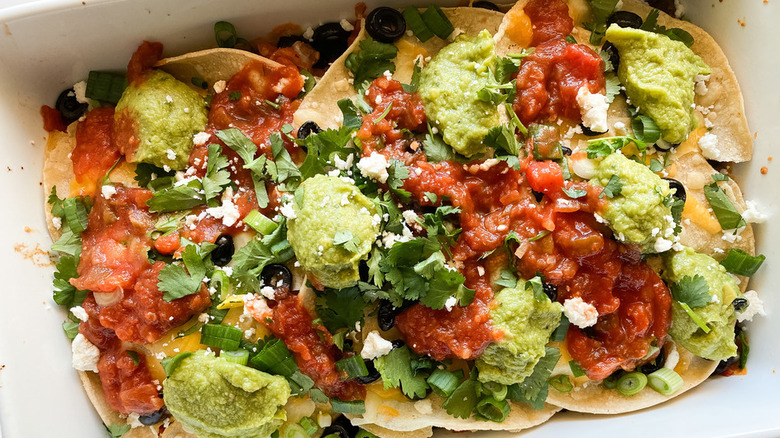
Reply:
x=625 y=19
x=385 y=25
x=342 y=428
x=70 y=109
x=679 y=189
x=566 y=150
x=223 y=253
x=428 y=392
x=289 y=40
x=153 y=418
x=277 y=276
x=655 y=364
x=398 y=343
x=485 y=5
x=331 y=40
x=387 y=313
x=591 y=133
x=538 y=195
x=724 y=364
x=308 y=128
x=612 y=52
x=373 y=374
x=551 y=291
x=739 y=304
x=663 y=145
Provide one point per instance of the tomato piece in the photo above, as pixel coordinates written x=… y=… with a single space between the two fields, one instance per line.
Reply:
x=545 y=176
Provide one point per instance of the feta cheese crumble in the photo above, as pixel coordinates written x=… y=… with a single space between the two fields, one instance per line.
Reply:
x=580 y=313
x=755 y=307
x=85 y=355
x=450 y=303
x=374 y=167
x=200 y=138
x=228 y=211
x=79 y=313
x=709 y=146
x=375 y=346
x=593 y=108
x=753 y=213
x=108 y=191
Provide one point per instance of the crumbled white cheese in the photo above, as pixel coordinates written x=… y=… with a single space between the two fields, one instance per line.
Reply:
x=346 y=25
x=662 y=245
x=410 y=217
x=308 y=33
x=80 y=91
x=374 y=167
x=133 y=420
x=268 y=292
x=709 y=146
x=424 y=406
x=579 y=312
x=620 y=128
x=701 y=85
x=755 y=307
x=450 y=303
x=85 y=355
x=256 y=307
x=79 y=313
x=56 y=221
x=375 y=346
x=203 y=318
x=228 y=211
x=480 y=271
x=343 y=164
x=753 y=213
x=593 y=108
x=201 y=138
x=108 y=191
x=732 y=235
x=220 y=86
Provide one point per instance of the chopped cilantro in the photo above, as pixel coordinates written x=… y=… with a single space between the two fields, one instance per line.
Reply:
x=177 y=282
x=508 y=279
x=693 y=291
x=321 y=149
x=350 y=113
x=533 y=389
x=602 y=147
x=340 y=309
x=431 y=197
x=415 y=82
x=396 y=370
x=612 y=86
x=65 y=294
x=346 y=240
x=462 y=401
x=71 y=329
x=725 y=211
x=234 y=95
x=436 y=149
x=370 y=62
x=117 y=430
x=249 y=260
x=613 y=188
x=574 y=193
x=282 y=169
x=717 y=176
x=217 y=176
x=502 y=138
x=656 y=165
x=243 y=146
x=183 y=197
x=536 y=286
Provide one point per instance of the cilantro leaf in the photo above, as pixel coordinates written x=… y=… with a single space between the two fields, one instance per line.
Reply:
x=182 y=197
x=68 y=243
x=282 y=168
x=321 y=148
x=693 y=291
x=176 y=282
x=533 y=389
x=436 y=149
x=346 y=240
x=217 y=176
x=397 y=172
x=65 y=294
x=717 y=176
x=462 y=401
x=613 y=188
x=370 y=62
x=249 y=260
x=351 y=115
x=415 y=82
x=612 y=86
x=117 y=430
x=724 y=210
x=396 y=370
x=243 y=146
x=145 y=173
x=340 y=309
x=502 y=138
x=71 y=329
x=574 y=193
x=602 y=147
x=508 y=279
x=537 y=287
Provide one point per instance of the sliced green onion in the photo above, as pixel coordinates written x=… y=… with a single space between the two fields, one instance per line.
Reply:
x=495 y=389
x=225 y=34
x=317 y=396
x=225 y=337
x=631 y=383
x=221 y=283
x=645 y=129
x=561 y=382
x=293 y=431
x=744 y=351
x=171 y=363
x=105 y=86
x=275 y=358
x=695 y=317
x=302 y=380
x=610 y=382
x=492 y=409
x=665 y=381
x=260 y=222
x=443 y=382
x=309 y=425
x=437 y=22
x=240 y=357
x=576 y=369
x=282 y=251
x=416 y=24
x=75 y=214
x=739 y=262
x=357 y=407
x=384 y=113
x=354 y=366
x=539 y=236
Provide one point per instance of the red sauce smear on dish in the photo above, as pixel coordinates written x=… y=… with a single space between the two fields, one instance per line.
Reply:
x=570 y=248
x=313 y=347
x=95 y=151
x=549 y=78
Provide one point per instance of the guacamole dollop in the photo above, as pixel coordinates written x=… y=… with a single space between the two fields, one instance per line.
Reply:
x=449 y=85
x=658 y=74
x=214 y=398
x=157 y=118
x=332 y=228
x=638 y=214
x=719 y=314
x=527 y=325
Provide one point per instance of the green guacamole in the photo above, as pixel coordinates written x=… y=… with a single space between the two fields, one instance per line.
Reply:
x=333 y=229
x=449 y=86
x=658 y=74
x=637 y=214
x=719 y=315
x=166 y=114
x=527 y=325
x=214 y=398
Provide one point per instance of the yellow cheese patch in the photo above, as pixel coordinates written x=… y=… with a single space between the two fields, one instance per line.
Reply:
x=698 y=214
